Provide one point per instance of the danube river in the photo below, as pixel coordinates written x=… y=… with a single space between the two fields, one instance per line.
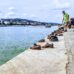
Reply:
x=16 y=39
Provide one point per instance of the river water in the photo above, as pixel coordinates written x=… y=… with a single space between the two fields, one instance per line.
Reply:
x=16 y=39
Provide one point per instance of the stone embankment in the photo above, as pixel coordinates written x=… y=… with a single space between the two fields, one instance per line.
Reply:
x=44 y=61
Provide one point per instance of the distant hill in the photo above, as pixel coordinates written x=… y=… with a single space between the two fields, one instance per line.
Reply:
x=19 y=21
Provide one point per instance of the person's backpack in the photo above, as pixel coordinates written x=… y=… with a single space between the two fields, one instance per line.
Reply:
x=72 y=21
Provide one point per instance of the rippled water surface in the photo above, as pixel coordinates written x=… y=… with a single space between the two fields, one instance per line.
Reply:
x=16 y=39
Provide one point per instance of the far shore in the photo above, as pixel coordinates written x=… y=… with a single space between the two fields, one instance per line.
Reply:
x=28 y=25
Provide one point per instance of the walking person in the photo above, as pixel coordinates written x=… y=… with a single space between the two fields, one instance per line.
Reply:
x=65 y=20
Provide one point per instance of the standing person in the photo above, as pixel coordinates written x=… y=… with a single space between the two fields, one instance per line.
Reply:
x=65 y=20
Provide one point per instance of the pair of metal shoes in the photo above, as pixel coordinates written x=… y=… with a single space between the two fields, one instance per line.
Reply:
x=38 y=47
x=53 y=38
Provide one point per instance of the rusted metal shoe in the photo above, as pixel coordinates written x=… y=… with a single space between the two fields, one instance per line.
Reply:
x=60 y=34
x=36 y=47
x=42 y=40
x=52 y=38
x=47 y=45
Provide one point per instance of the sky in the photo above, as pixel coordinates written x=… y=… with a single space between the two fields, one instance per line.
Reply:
x=39 y=10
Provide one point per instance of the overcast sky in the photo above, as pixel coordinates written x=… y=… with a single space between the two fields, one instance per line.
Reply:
x=41 y=10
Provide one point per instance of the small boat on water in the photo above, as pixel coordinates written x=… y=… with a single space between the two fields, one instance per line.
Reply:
x=47 y=26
